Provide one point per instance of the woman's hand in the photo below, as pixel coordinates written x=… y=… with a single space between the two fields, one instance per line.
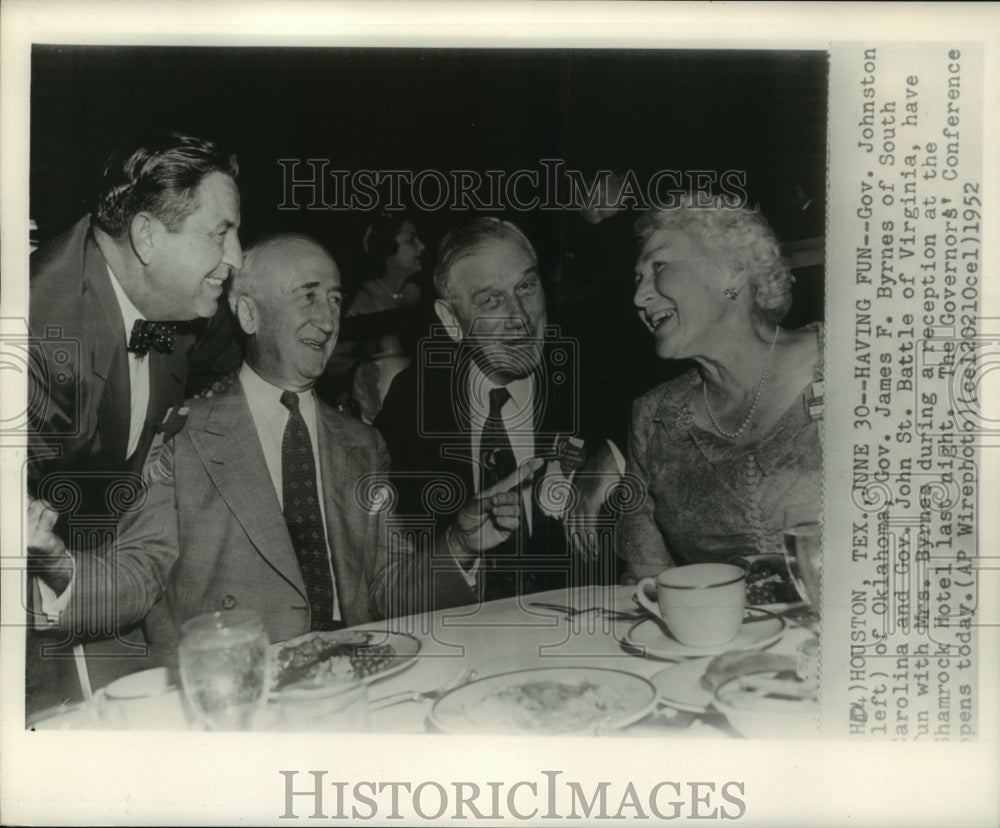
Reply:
x=588 y=519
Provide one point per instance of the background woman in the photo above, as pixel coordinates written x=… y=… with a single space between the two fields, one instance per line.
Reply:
x=392 y=255
x=392 y=258
x=725 y=447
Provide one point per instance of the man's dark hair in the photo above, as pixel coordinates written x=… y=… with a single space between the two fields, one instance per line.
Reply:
x=380 y=241
x=160 y=174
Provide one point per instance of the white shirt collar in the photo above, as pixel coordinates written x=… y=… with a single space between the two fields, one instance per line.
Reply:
x=259 y=391
x=521 y=390
x=130 y=313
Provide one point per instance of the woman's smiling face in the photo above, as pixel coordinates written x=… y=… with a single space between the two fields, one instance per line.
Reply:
x=679 y=293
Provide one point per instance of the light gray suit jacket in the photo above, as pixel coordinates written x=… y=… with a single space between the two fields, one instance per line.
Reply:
x=211 y=536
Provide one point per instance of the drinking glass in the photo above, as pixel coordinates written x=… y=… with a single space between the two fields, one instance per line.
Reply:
x=803 y=538
x=225 y=668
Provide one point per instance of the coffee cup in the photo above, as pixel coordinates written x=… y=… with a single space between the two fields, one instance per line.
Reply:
x=701 y=604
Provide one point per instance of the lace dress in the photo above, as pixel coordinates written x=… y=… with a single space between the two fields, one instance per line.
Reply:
x=708 y=499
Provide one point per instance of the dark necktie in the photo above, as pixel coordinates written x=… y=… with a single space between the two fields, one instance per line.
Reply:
x=303 y=516
x=156 y=335
x=496 y=457
x=496 y=461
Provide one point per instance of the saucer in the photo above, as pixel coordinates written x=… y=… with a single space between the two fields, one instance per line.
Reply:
x=652 y=638
x=679 y=685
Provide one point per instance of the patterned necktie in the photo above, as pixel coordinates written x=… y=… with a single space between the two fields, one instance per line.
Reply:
x=302 y=514
x=156 y=335
x=496 y=457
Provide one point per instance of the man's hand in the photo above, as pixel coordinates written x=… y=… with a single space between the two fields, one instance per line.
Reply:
x=492 y=516
x=47 y=553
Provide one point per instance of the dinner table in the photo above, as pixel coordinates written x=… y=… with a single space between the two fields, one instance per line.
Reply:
x=581 y=633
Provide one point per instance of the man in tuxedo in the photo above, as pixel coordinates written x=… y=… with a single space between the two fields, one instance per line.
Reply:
x=106 y=297
x=495 y=396
x=267 y=499
x=111 y=304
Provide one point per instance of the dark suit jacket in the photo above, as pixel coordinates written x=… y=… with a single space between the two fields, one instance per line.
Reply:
x=78 y=418
x=211 y=535
x=425 y=423
x=79 y=377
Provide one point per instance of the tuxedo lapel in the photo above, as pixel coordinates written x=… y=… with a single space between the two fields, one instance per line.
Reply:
x=226 y=440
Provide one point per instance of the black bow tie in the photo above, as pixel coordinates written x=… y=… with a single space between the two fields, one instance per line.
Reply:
x=156 y=335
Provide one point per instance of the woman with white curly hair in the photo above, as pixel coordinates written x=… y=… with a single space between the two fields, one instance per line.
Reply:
x=723 y=448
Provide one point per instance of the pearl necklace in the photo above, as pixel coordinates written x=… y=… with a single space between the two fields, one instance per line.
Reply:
x=732 y=435
x=385 y=287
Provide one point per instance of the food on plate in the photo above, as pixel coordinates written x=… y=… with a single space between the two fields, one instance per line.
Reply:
x=768 y=582
x=327 y=658
x=765 y=690
x=770 y=706
x=547 y=707
x=734 y=664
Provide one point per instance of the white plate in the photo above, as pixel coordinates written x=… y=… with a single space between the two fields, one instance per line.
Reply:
x=782 y=609
x=547 y=700
x=679 y=685
x=651 y=637
x=164 y=711
x=405 y=648
x=80 y=716
x=141 y=685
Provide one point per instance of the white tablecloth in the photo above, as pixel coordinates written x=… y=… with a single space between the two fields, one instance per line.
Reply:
x=493 y=638
x=508 y=635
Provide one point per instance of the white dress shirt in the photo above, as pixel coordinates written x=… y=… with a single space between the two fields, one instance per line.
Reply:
x=138 y=369
x=270 y=418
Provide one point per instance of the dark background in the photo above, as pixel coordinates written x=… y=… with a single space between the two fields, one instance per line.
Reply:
x=760 y=112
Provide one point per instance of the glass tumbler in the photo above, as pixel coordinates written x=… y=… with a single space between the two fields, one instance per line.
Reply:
x=225 y=669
